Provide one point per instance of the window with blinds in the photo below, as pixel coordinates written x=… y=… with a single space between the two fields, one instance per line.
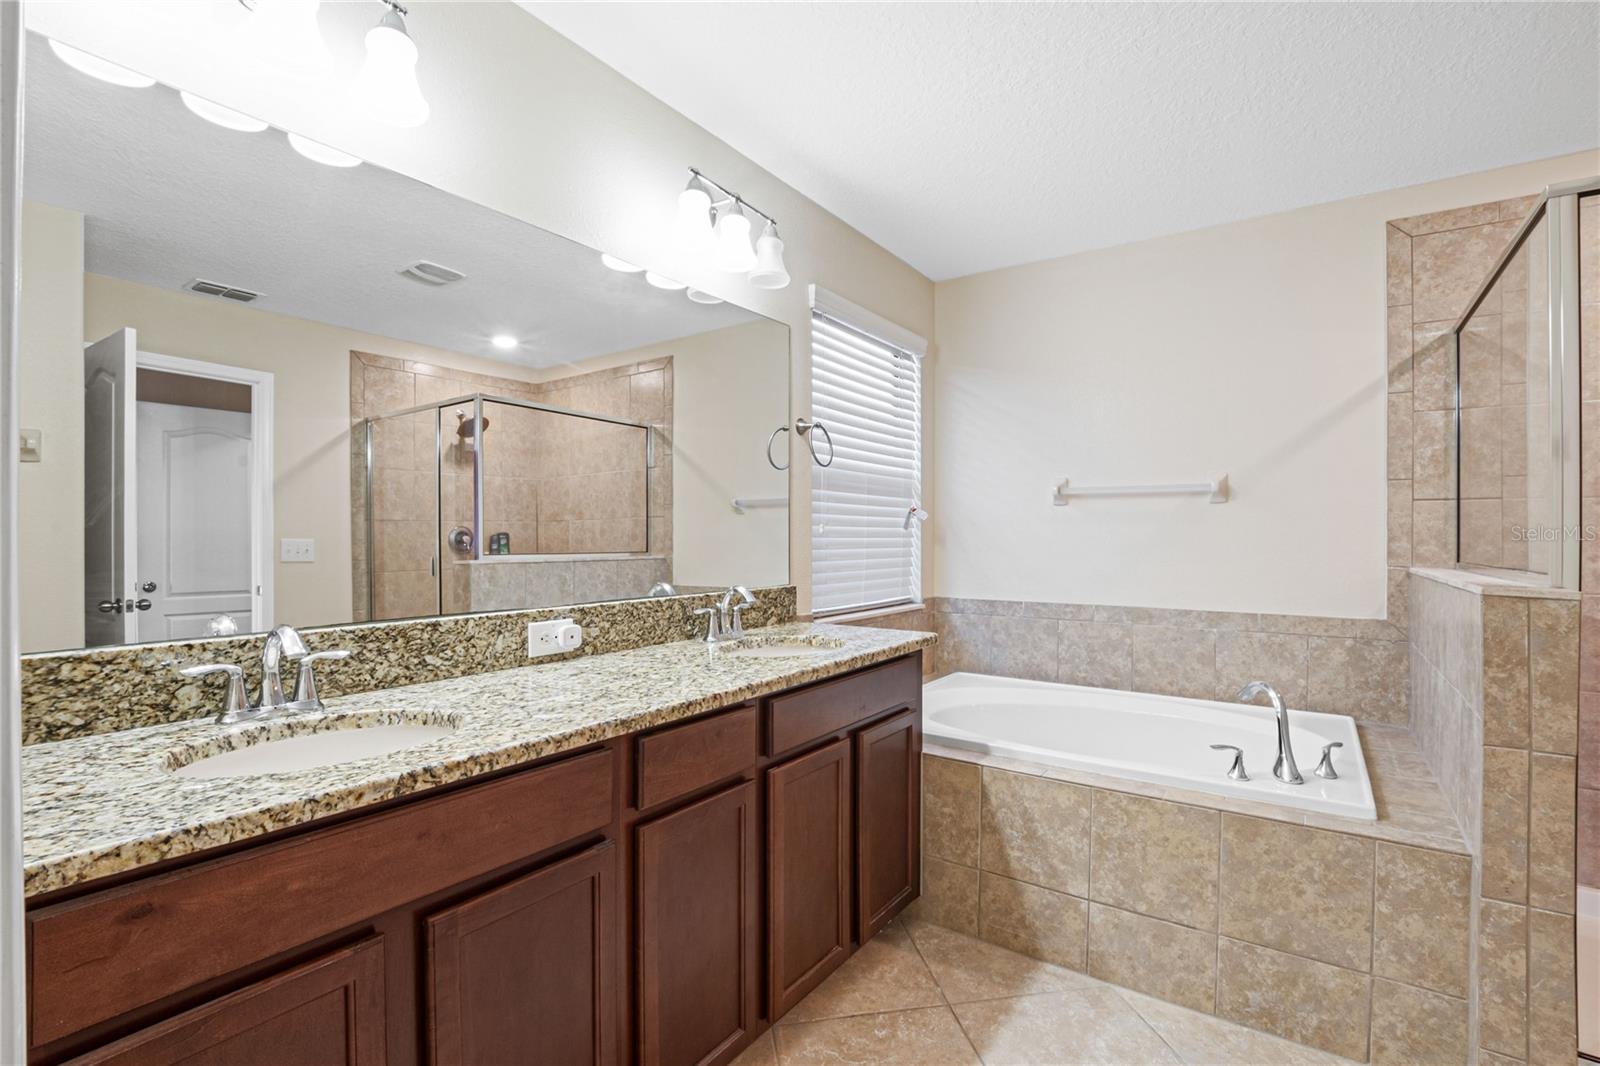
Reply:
x=866 y=389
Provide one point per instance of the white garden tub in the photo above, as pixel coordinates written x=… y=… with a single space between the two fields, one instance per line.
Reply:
x=1161 y=739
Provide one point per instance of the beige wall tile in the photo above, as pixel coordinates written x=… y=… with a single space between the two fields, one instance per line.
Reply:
x=1399 y=519
x=1280 y=659
x=1502 y=977
x=1024 y=647
x=1172 y=962
x=1589 y=646
x=1505 y=824
x=1155 y=857
x=1482 y=530
x=387 y=390
x=1433 y=456
x=1307 y=1002
x=1036 y=830
x=1047 y=925
x=1553 y=651
x=1422 y=918
x=1552 y=988
x=951 y=799
x=1367 y=679
x=1433 y=533
x=1552 y=832
x=1448 y=267
x=1454 y=218
x=1589 y=837
x=1399 y=345
x=1172 y=661
x=1399 y=267
x=1490 y=1058
x=1411 y=1027
x=1480 y=369
x=1505 y=671
x=949 y=895
x=1095 y=653
x=1318 y=905
x=1433 y=368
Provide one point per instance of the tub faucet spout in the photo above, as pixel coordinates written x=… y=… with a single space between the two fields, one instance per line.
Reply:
x=1284 y=769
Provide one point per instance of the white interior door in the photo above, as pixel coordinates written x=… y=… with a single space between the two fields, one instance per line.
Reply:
x=194 y=484
x=110 y=514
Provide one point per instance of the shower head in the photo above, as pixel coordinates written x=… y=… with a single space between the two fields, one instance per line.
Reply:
x=467 y=428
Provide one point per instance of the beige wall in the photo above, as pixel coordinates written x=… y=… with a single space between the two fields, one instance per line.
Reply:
x=50 y=492
x=526 y=122
x=1254 y=349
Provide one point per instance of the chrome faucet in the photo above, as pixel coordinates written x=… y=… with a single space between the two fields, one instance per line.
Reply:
x=280 y=642
x=722 y=621
x=1284 y=769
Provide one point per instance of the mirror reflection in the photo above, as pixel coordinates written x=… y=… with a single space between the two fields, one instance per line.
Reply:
x=266 y=390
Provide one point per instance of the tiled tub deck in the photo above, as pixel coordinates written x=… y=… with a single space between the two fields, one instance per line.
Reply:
x=1348 y=936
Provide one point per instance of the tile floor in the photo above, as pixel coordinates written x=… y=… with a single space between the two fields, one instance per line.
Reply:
x=922 y=995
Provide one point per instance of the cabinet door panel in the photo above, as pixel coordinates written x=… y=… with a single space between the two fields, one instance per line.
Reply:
x=808 y=872
x=526 y=972
x=888 y=806
x=328 y=1012
x=697 y=929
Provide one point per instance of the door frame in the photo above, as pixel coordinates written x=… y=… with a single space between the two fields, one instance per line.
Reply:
x=261 y=444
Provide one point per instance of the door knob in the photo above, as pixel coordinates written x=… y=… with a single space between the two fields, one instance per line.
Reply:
x=108 y=606
x=148 y=586
x=140 y=605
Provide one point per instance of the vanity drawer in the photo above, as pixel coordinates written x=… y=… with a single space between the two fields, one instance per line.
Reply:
x=797 y=717
x=94 y=958
x=685 y=758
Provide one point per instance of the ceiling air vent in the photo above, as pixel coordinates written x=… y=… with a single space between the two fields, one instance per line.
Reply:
x=230 y=292
x=431 y=273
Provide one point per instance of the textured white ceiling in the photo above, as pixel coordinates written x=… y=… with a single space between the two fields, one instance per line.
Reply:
x=969 y=136
x=168 y=197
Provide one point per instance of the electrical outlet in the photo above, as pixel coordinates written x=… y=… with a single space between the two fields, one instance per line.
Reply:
x=297 y=550
x=553 y=637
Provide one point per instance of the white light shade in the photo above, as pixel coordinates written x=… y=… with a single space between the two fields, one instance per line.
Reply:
x=386 y=87
x=619 y=264
x=702 y=297
x=769 y=272
x=283 y=35
x=661 y=281
x=693 y=227
x=734 y=255
x=226 y=117
x=96 y=67
x=318 y=152
x=504 y=341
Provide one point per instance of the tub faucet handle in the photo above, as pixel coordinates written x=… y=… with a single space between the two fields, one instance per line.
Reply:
x=1236 y=771
x=1325 y=767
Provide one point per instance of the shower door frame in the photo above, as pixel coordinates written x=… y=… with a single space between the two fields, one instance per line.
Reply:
x=1558 y=208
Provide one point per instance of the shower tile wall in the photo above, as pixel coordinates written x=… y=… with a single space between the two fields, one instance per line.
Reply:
x=1589 y=678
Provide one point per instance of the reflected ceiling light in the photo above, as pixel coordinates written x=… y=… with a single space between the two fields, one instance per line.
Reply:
x=661 y=281
x=96 y=67
x=226 y=117
x=734 y=255
x=769 y=272
x=619 y=264
x=386 y=87
x=283 y=35
x=700 y=297
x=318 y=152
x=692 y=229
x=504 y=341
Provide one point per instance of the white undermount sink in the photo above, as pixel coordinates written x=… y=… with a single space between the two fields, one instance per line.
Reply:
x=308 y=751
x=780 y=647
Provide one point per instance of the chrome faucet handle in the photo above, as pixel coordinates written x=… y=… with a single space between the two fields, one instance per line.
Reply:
x=1325 y=767
x=1236 y=771
x=305 y=682
x=736 y=626
x=713 y=624
x=235 y=704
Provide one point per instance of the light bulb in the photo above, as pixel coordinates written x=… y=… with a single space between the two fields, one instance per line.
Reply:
x=386 y=87
x=661 y=281
x=693 y=227
x=226 y=117
x=318 y=152
x=769 y=272
x=283 y=34
x=504 y=341
x=700 y=297
x=734 y=255
x=95 y=67
x=619 y=264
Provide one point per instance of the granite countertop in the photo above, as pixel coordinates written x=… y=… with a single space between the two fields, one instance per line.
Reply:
x=103 y=804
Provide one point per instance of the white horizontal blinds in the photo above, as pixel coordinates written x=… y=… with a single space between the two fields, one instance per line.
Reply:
x=868 y=393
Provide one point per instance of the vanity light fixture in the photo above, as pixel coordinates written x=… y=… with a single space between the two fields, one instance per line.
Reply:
x=318 y=152
x=729 y=248
x=95 y=67
x=284 y=36
x=701 y=297
x=386 y=87
x=226 y=117
x=504 y=341
x=734 y=254
x=693 y=225
x=661 y=281
x=769 y=272
x=620 y=265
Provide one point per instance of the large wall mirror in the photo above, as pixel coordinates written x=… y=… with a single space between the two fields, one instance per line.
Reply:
x=260 y=389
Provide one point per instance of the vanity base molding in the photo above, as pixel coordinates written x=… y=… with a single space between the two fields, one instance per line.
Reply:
x=661 y=898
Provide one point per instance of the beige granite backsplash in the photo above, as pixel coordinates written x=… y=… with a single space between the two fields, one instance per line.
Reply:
x=81 y=693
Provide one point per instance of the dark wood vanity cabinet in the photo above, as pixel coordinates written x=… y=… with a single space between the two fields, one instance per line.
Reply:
x=660 y=898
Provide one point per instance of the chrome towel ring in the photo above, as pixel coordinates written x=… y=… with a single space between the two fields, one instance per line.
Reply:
x=803 y=426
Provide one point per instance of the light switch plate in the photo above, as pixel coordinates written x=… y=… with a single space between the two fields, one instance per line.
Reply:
x=31 y=449
x=297 y=550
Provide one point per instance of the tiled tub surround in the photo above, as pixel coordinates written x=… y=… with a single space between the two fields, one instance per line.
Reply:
x=100 y=805
x=1589 y=683
x=510 y=583
x=1348 y=936
x=81 y=693
x=1494 y=710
